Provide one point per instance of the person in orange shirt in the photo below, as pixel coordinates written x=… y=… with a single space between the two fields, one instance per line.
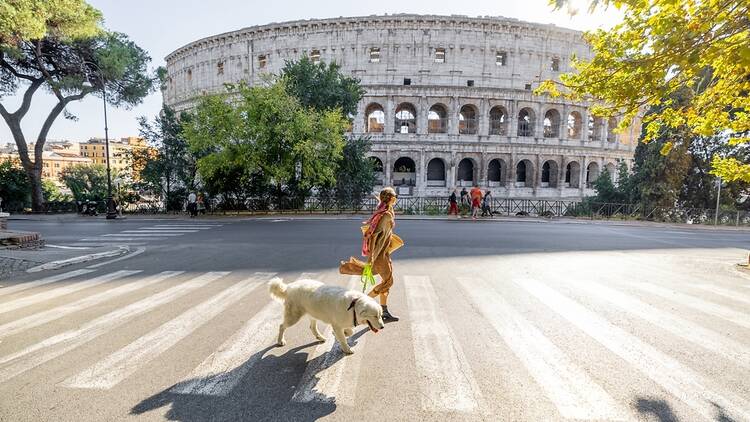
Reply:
x=476 y=201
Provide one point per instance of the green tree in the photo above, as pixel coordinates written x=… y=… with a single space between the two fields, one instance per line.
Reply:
x=608 y=191
x=52 y=193
x=355 y=177
x=322 y=86
x=34 y=19
x=264 y=135
x=86 y=182
x=108 y=61
x=663 y=47
x=14 y=187
x=169 y=168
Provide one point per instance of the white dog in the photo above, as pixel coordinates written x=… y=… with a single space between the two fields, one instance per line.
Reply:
x=342 y=309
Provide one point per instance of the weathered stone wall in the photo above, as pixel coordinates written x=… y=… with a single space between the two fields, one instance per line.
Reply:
x=487 y=63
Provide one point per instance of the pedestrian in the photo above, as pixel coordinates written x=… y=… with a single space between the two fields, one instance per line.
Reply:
x=487 y=204
x=453 y=203
x=378 y=242
x=464 y=202
x=191 y=207
x=200 y=205
x=476 y=201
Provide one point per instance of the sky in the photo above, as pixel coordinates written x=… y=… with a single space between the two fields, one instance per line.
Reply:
x=162 y=26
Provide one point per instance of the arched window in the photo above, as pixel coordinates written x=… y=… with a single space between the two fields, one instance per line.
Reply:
x=572 y=174
x=545 y=173
x=611 y=126
x=549 y=174
x=592 y=173
x=437 y=119
x=465 y=172
x=498 y=121
x=495 y=172
x=467 y=120
x=595 y=128
x=404 y=172
x=374 y=118
x=406 y=118
x=524 y=174
x=436 y=172
x=377 y=168
x=612 y=170
x=552 y=124
x=574 y=125
x=526 y=122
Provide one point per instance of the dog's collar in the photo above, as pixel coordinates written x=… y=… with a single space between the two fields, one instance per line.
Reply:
x=354 y=311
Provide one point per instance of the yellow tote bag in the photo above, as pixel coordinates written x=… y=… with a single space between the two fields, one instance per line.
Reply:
x=396 y=243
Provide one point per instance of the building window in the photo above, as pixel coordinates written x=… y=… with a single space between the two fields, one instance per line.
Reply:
x=470 y=83
x=437 y=119
x=498 y=121
x=375 y=55
x=262 y=61
x=555 y=65
x=467 y=120
x=527 y=87
x=220 y=68
x=315 y=56
x=501 y=58
x=439 y=55
x=190 y=75
x=407 y=81
x=374 y=118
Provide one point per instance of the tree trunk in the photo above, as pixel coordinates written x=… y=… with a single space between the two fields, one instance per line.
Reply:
x=37 y=196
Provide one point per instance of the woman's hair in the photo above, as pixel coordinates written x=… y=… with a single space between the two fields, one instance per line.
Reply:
x=386 y=194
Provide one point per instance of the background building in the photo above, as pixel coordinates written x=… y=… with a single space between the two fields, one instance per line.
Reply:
x=449 y=98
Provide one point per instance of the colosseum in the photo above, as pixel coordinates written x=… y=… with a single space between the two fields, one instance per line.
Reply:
x=449 y=99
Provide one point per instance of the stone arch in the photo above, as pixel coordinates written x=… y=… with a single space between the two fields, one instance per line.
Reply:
x=406 y=118
x=611 y=168
x=526 y=122
x=404 y=172
x=611 y=126
x=437 y=119
x=496 y=171
x=552 y=123
x=575 y=123
x=378 y=170
x=595 y=125
x=498 y=121
x=465 y=172
x=374 y=118
x=436 y=172
x=550 y=171
x=573 y=174
x=524 y=174
x=468 y=121
x=592 y=173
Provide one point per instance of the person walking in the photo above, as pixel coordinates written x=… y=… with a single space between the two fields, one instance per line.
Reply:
x=191 y=206
x=487 y=204
x=378 y=242
x=453 y=204
x=464 y=202
x=200 y=205
x=476 y=201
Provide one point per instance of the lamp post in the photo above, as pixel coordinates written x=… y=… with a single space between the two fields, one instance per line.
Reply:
x=718 y=197
x=111 y=211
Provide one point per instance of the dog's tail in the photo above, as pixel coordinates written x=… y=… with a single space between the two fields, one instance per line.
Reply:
x=277 y=288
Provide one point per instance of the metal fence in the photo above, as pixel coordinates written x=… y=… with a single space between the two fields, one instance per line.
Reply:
x=439 y=206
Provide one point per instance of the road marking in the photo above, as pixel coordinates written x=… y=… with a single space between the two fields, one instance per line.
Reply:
x=674 y=377
x=41 y=282
x=574 y=393
x=63 y=290
x=327 y=366
x=44 y=317
x=136 y=252
x=446 y=380
x=701 y=305
x=219 y=373
x=78 y=259
x=65 y=247
x=680 y=327
x=122 y=239
x=46 y=350
x=188 y=226
x=739 y=297
x=159 y=231
x=110 y=371
x=137 y=235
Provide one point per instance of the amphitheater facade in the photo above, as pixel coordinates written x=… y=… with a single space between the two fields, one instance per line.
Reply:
x=449 y=99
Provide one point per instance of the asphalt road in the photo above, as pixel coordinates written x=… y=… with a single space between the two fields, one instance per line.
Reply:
x=500 y=321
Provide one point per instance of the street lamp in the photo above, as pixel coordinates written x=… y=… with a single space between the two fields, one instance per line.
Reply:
x=111 y=211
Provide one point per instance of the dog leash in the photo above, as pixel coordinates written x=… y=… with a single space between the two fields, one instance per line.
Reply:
x=367 y=277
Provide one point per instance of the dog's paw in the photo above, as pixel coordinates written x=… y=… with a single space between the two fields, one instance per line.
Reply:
x=281 y=343
x=348 y=351
x=321 y=339
x=348 y=332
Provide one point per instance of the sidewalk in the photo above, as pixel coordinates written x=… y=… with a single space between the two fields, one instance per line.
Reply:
x=14 y=262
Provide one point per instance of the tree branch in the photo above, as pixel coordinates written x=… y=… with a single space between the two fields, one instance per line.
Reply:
x=38 y=56
x=53 y=114
x=26 y=103
x=5 y=65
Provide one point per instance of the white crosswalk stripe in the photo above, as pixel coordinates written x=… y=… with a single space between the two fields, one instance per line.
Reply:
x=708 y=339
x=63 y=290
x=731 y=294
x=30 y=357
x=570 y=388
x=446 y=379
x=145 y=234
x=729 y=314
x=52 y=314
x=136 y=235
x=679 y=380
x=328 y=366
x=157 y=231
x=15 y=288
x=119 y=365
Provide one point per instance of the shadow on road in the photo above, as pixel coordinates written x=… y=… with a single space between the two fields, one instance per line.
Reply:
x=662 y=411
x=264 y=392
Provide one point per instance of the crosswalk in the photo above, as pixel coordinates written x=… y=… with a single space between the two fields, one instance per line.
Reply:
x=441 y=360
x=143 y=235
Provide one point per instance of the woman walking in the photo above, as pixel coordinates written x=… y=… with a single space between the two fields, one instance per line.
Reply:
x=453 y=204
x=377 y=244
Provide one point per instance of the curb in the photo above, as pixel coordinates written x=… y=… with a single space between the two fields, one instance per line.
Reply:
x=53 y=265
